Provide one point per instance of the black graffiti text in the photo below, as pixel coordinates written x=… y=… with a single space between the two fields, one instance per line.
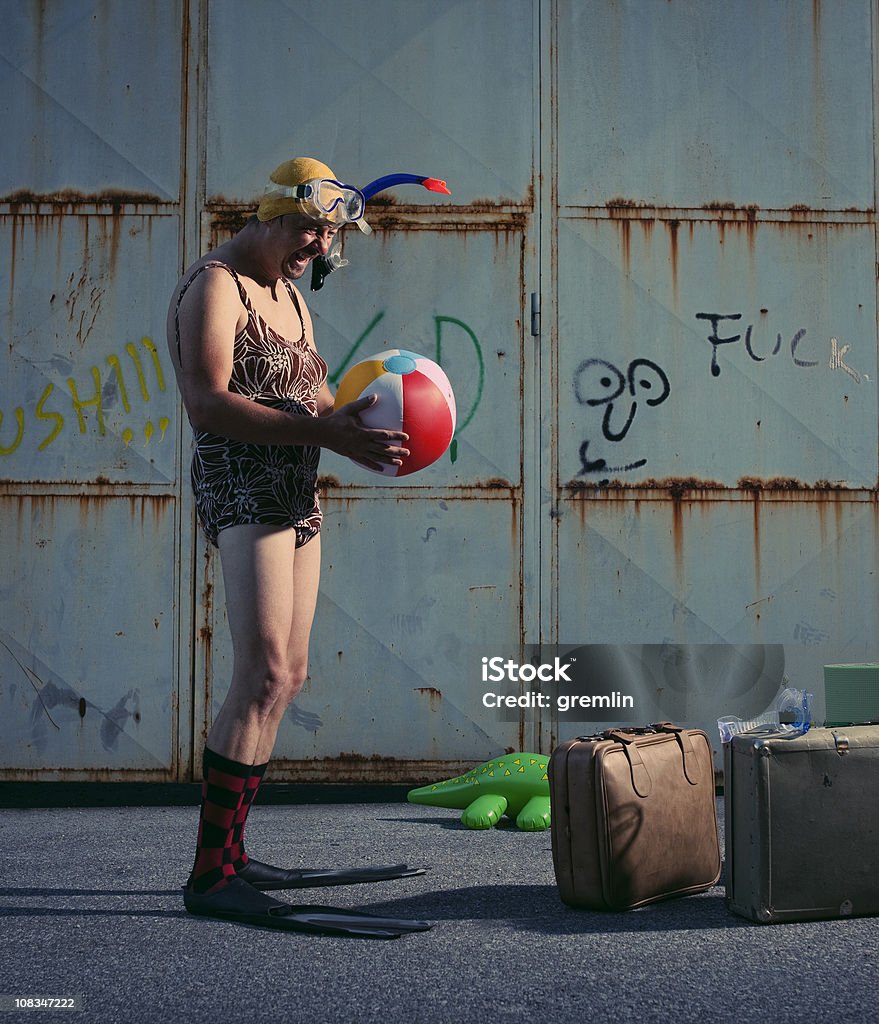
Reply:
x=756 y=352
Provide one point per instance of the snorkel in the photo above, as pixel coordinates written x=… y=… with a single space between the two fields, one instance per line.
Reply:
x=389 y=180
x=323 y=266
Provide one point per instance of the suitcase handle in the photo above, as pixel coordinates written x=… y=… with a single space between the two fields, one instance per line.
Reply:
x=641 y=781
x=688 y=755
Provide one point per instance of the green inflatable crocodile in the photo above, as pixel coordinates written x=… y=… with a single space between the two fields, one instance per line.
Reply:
x=514 y=784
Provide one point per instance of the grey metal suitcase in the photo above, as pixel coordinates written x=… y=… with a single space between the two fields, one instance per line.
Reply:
x=802 y=824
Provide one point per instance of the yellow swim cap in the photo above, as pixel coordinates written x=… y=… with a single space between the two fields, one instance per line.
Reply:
x=293 y=172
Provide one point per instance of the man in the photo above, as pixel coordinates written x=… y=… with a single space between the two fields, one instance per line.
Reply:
x=254 y=388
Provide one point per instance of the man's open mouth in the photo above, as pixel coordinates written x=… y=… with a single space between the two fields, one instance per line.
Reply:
x=296 y=263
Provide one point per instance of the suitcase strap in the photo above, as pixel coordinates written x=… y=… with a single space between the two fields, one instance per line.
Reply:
x=641 y=781
x=691 y=762
x=640 y=776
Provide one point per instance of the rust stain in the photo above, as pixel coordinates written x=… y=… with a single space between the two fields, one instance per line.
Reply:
x=677 y=531
x=443 y=222
x=506 y=223
x=837 y=515
x=91 y=505
x=486 y=203
x=677 y=487
x=782 y=483
x=758 y=562
x=227 y=222
x=623 y=203
x=115 y=234
x=434 y=696
x=72 y=198
x=673 y=226
x=617 y=209
x=493 y=487
x=751 y=227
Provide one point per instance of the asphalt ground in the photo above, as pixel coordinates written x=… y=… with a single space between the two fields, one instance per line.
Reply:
x=91 y=907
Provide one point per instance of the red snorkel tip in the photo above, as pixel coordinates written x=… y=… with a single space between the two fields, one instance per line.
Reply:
x=436 y=185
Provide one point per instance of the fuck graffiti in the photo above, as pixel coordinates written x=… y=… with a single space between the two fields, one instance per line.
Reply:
x=759 y=349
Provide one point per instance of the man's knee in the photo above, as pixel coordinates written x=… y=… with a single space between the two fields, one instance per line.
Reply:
x=298 y=675
x=268 y=682
x=281 y=684
x=269 y=686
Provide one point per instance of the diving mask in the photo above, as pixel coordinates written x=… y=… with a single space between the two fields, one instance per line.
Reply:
x=325 y=199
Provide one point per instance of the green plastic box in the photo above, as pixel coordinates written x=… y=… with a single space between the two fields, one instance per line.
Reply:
x=851 y=694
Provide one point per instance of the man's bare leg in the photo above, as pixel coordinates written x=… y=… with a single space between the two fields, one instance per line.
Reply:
x=271 y=593
x=306 y=577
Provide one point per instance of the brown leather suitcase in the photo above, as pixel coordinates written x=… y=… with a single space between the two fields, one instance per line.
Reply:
x=634 y=817
x=802 y=831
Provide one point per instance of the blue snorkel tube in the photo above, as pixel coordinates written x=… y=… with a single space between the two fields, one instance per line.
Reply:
x=389 y=180
x=323 y=266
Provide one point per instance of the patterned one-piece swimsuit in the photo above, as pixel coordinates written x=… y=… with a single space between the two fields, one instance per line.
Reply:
x=237 y=482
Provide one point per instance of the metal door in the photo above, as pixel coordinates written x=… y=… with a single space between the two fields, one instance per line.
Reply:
x=89 y=437
x=714 y=276
x=423 y=575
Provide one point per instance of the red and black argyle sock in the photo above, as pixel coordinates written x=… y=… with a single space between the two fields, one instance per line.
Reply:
x=222 y=792
x=236 y=851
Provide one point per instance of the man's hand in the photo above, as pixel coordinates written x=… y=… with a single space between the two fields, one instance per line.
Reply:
x=373 y=447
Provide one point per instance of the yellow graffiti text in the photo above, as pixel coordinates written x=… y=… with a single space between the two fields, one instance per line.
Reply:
x=91 y=401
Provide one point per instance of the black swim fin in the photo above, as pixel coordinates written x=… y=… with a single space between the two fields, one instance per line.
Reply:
x=266 y=877
x=356 y=923
x=240 y=902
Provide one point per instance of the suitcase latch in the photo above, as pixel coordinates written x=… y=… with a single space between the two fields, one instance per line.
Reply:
x=841 y=743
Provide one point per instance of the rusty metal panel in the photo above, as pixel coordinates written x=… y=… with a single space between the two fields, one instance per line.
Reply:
x=726 y=350
x=91 y=99
x=443 y=89
x=698 y=101
x=407 y=657
x=87 y=674
x=87 y=392
x=700 y=575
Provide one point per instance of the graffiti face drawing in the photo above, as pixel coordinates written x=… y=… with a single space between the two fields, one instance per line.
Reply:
x=598 y=382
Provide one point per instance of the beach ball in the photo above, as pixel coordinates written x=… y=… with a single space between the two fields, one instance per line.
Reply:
x=414 y=395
